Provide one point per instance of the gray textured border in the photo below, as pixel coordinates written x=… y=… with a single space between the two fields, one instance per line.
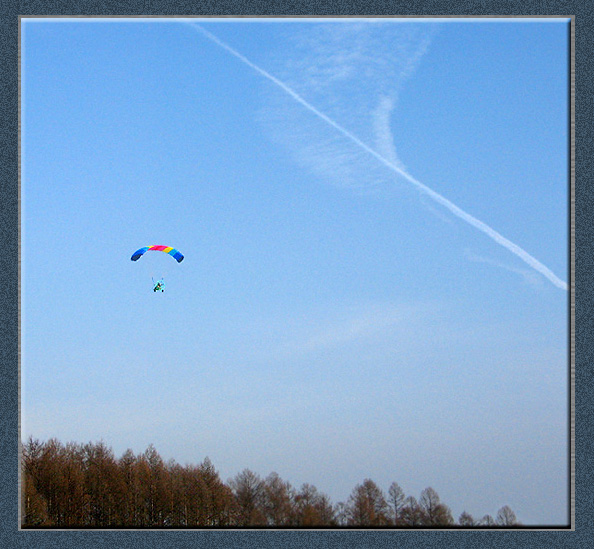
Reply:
x=10 y=536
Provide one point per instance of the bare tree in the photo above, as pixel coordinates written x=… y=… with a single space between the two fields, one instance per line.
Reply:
x=49 y=475
x=466 y=519
x=487 y=520
x=102 y=484
x=76 y=499
x=396 y=500
x=248 y=489
x=194 y=494
x=435 y=512
x=34 y=511
x=411 y=513
x=129 y=505
x=218 y=497
x=174 y=494
x=313 y=508
x=153 y=481
x=367 y=505
x=429 y=502
x=506 y=517
x=278 y=504
x=341 y=514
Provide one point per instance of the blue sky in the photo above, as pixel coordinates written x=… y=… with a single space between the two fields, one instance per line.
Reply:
x=330 y=321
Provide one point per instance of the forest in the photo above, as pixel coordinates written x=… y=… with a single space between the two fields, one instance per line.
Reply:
x=85 y=486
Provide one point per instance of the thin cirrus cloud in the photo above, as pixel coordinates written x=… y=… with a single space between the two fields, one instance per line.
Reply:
x=381 y=126
x=370 y=72
x=330 y=148
x=323 y=332
x=529 y=276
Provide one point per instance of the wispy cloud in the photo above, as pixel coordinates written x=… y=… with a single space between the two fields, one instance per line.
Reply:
x=529 y=276
x=368 y=63
x=358 y=326
x=337 y=329
x=381 y=119
x=364 y=148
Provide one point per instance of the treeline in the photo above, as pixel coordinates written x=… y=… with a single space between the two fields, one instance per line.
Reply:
x=86 y=486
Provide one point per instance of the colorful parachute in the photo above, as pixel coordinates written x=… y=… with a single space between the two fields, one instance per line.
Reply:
x=168 y=250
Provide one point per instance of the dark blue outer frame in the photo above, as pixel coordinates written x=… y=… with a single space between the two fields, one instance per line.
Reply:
x=11 y=537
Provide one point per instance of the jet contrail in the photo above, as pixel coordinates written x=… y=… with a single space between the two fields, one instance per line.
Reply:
x=458 y=212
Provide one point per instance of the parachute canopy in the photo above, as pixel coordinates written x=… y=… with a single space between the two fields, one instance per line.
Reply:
x=167 y=249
